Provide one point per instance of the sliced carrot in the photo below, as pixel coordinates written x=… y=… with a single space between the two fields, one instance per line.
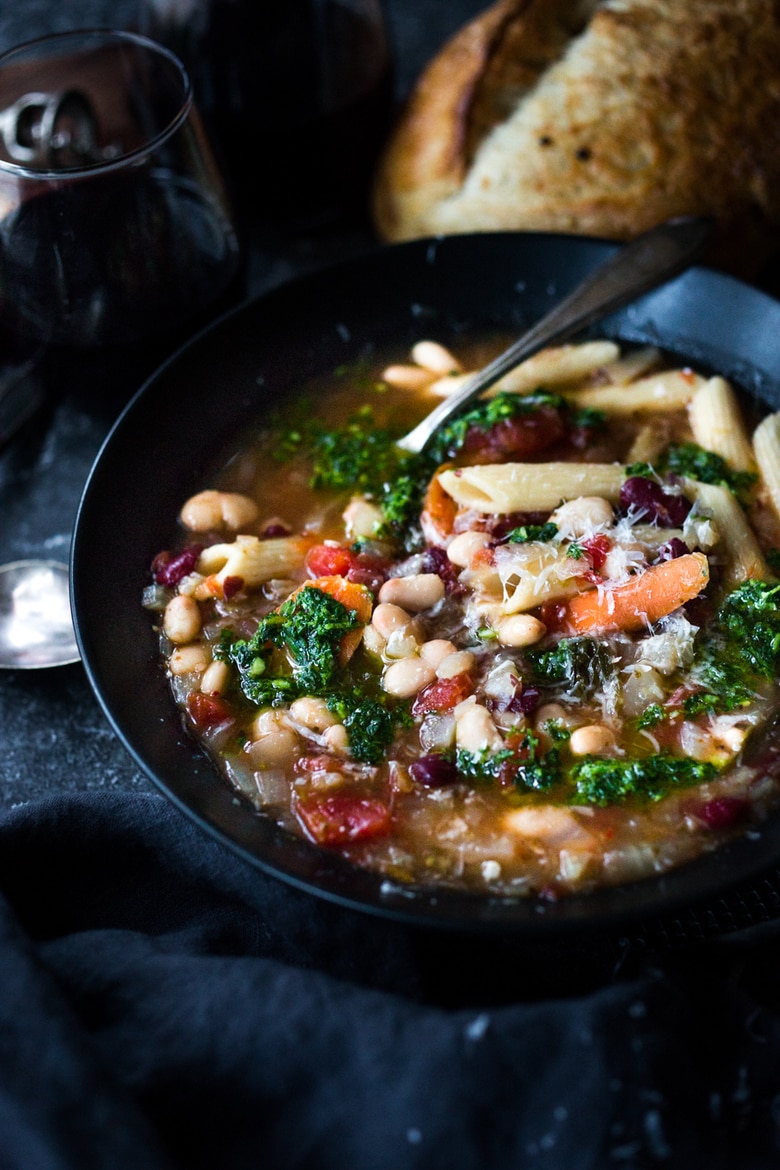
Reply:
x=355 y=597
x=642 y=600
x=438 y=511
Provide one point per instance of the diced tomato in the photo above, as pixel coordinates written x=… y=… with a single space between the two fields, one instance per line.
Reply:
x=443 y=695
x=342 y=817
x=515 y=438
x=597 y=548
x=329 y=560
x=208 y=710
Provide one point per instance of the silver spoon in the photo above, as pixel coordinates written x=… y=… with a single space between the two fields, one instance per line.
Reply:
x=659 y=254
x=36 y=629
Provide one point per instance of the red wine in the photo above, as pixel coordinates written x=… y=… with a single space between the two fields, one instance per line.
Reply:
x=113 y=258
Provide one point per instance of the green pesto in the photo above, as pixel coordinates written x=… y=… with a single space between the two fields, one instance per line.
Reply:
x=308 y=630
x=528 y=532
x=695 y=462
x=604 y=782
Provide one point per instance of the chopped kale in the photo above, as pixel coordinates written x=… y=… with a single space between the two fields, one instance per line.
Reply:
x=750 y=615
x=696 y=463
x=520 y=764
x=369 y=723
x=602 y=781
x=308 y=629
x=528 y=532
x=579 y=665
x=575 y=551
x=651 y=716
x=644 y=470
x=588 y=418
x=693 y=461
x=741 y=647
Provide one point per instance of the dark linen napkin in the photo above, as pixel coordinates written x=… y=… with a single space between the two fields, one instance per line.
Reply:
x=163 y=1004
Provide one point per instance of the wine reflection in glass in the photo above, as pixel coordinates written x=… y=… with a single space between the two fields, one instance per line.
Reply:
x=114 y=223
x=115 y=228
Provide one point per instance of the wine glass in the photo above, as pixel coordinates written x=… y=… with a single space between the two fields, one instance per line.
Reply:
x=114 y=221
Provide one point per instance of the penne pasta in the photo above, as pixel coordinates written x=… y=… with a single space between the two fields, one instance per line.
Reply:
x=436 y=358
x=529 y=487
x=650 y=442
x=252 y=560
x=407 y=377
x=532 y=575
x=716 y=423
x=631 y=367
x=766 y=445
x=743 y=557
x=562 y=365
x=449 y=384
x=665 y=391
x=554 y=368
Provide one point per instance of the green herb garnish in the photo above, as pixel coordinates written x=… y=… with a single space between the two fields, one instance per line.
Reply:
x=528 y=532
x=603 y=781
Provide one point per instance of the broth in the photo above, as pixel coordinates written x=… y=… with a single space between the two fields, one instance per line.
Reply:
x=539 y=659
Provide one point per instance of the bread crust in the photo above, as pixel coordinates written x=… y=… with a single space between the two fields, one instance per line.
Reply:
x=595 y=118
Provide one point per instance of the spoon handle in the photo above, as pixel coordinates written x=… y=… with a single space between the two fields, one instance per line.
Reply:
x=653 y=257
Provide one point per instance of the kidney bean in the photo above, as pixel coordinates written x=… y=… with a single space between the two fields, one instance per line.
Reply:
x=169 y=569
x=650 y=501
x=672 y=549
x=433 y=771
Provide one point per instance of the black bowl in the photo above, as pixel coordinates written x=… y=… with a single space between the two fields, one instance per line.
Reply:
x=181 y=423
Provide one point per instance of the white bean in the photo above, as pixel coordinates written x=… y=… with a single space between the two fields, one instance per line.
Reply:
x=436 y=650
x=550 y=713
x=312 y=713
x=407 y=676
x=520 y=629
x=336 y=738
x=181 y=621
x=193 y=659
x=212 y=509
x=475 y=730
x=362 y=519
x=388 y=618
x=462 y=547
x=581 y=516
x=435 y=357
x=458 y=663
x=265 y=722
x=593 y=740
x=415 y=593
x=373 y=640
x=215 y=679
x=402 y=644
x=274 y=750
